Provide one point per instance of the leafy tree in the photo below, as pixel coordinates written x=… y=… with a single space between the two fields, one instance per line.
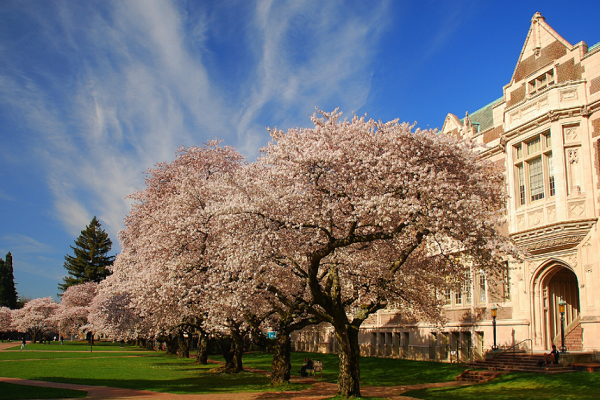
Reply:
x=90 y=262
x=8 y=293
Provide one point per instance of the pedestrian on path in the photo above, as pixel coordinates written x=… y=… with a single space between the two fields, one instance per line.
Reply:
x=23 y=345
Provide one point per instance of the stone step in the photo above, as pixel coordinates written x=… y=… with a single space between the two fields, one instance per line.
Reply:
x=477 y=375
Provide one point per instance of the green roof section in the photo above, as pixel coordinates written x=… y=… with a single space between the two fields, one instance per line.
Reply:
x=484 y=117
x=594 y=47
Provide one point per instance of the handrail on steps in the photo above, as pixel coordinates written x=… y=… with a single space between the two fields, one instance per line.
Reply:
x=514 y=348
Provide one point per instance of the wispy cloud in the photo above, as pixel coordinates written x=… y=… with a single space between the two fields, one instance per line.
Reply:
x=18 y=243
x=309 y=59
x=138 y=79
x=6 y=196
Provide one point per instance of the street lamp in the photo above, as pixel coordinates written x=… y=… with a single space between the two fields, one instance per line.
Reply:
x=494 y=314
x=561 y=309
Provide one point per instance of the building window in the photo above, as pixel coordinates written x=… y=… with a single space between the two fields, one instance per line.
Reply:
x=534 y=169
x=467 y=291
x=506 y=280
x=536 y=179
x=458 y=298
x=482 y=293
x=521 y=179
x=551 y=186
x=541 y=82
x=448 y=297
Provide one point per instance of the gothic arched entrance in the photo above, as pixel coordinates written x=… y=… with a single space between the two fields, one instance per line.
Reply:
x=553 y=283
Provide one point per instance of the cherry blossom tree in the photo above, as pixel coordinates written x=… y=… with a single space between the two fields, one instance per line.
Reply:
x=36 y=317
x=73 y=311
x=5 y=321
x=168 y=243
x=372 y=214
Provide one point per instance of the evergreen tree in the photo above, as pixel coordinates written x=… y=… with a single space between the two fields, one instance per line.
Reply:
x=8 y=293
x=91 y=258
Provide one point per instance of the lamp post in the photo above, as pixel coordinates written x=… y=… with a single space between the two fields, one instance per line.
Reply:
x=494 y=314
x=561 y=309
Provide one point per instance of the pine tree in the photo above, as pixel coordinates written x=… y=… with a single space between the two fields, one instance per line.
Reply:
x=91 y=258
x=8 y=293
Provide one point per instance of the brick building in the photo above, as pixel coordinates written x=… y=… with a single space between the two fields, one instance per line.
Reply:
x=545 y=133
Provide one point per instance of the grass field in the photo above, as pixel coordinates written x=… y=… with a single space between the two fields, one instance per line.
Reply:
x=576 y=385
x=134 y=368
x=373 y=371
x=76 y=346
x=10 y=391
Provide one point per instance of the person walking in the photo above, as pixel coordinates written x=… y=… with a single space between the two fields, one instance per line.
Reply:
x=23 y=344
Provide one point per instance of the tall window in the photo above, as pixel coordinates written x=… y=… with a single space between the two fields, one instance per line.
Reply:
x=506 y=280
x=467 y=291
x=482 y=294
x=534 y=169
x=458 y=297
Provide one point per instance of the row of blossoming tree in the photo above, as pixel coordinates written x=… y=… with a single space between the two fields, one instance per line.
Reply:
x=330 y=224
x=42 y=317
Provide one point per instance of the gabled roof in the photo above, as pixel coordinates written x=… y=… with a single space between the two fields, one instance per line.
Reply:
x=542 y=46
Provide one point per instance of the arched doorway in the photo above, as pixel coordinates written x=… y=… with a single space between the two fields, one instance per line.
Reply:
x=553 y=283
x=562 y=285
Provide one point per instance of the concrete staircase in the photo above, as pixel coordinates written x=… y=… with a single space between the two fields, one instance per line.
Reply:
x=478 y=376
x=523 y=362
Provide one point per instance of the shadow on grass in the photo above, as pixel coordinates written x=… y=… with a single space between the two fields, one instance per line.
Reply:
x=374 y=371
x=204 y=381
x=577 y=385
x=14 y=391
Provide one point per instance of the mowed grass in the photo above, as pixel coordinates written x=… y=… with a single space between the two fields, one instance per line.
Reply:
x=82 y=346
x=575 y=385
x=155 y=372
x=11 y=391
x=373 y=371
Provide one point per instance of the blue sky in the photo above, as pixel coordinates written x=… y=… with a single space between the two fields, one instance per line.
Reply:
x=92 y=93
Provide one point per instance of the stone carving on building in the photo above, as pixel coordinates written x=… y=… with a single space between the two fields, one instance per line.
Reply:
x=535 y=217
x=586 y=112
x=503 y=143
x=551 y=214
x=571 y=133
x=521 y=221
x=568 y=95
x=577 y=210
x=553 y=116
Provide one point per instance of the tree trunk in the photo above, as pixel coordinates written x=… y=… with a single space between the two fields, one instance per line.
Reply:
x=226 y=347
x=202 y=355
x=281 y=365
x=171 y=345
x=184 y=346
x=238 y=350
x=349 y=377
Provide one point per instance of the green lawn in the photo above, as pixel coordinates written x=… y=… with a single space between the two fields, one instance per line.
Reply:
x=374 y=371
x=76 y=346
x=156 y=372
x=11 y=391
x=576 y=385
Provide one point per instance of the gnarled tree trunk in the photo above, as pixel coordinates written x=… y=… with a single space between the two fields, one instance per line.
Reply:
x=349 y=377
x=238 y=349
x=281 y=364
x=184 y=346
x=202 y=355
x=171 y=345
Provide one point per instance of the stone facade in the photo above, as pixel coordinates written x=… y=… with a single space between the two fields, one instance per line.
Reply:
x=543 y=134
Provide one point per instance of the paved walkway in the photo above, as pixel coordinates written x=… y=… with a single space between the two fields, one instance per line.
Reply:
x=318 y=390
